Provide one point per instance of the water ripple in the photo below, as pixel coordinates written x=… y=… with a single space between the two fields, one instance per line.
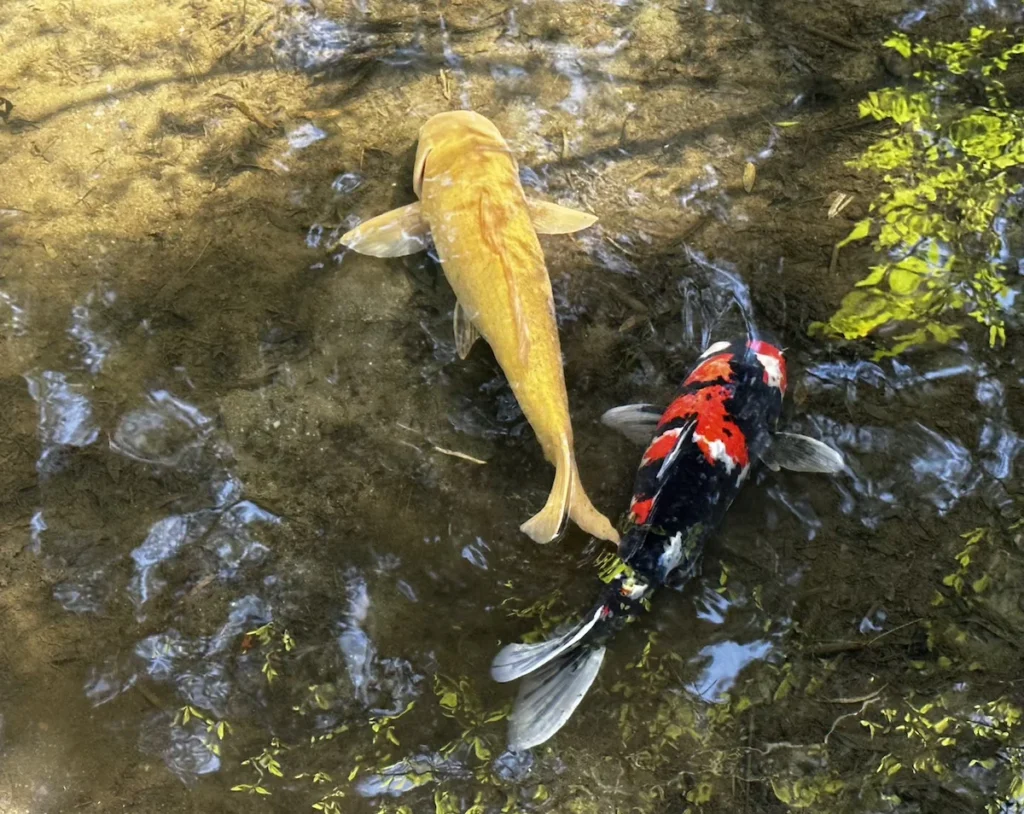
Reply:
x=65 y=417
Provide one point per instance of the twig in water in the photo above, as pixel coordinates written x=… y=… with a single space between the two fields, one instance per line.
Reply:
x=860 y=711
x=828 y=35
x=858 y=699
x=145 y=693
x=835 y=259
x=641 y=174
x=200 y=256
x=241 y=38
x=455 y=454
x=898 y=627
x=408 y=444
x=832 y=648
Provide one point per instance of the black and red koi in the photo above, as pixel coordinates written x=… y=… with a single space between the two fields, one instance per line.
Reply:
x=699 y=451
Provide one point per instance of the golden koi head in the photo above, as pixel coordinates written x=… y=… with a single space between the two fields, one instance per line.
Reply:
x=454 y=133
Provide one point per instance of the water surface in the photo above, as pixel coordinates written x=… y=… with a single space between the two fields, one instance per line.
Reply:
x=223 y=499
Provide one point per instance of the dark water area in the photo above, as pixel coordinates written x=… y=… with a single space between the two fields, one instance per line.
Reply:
x=241 y=568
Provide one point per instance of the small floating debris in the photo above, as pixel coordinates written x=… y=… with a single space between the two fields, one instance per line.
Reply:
x=304 y=135
x=347 y=182
x=456 y=454
x=837 y=202
x=749 y=176
x=436 y=448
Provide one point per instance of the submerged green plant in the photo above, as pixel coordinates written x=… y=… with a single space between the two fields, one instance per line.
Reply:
x=216 y=731
x=947 y=163
x=267 y=637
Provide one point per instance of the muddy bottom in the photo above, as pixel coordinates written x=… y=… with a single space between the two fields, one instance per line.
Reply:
x=259 y=524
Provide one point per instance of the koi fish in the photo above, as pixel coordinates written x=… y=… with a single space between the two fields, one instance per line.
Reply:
x=699 y=452
x=485 y=231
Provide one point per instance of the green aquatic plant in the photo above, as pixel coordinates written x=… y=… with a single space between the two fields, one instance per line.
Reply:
x=793 y=728
x=263 y=764
x=267 y=637
x=947 y=163
x=216 y=730
x=940 y=736
x=946 y=720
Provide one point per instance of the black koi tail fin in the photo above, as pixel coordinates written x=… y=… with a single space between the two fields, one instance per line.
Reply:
x=556 y=676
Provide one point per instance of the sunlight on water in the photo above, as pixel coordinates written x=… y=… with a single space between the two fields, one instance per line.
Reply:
x=65 y=417
x=260 y=521
x=725 y=660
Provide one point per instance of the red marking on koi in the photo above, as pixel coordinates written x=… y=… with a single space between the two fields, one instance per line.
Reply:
x=661 y=446
x=715 y=432
x=765 y=349
x=717 y=367
x=641 y=510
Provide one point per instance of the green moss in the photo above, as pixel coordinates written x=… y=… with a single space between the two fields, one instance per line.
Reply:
x=945 y=165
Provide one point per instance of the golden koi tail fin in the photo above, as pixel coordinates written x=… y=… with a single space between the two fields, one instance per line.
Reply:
x=567 y=500
x=585 y=515
x=549 y=523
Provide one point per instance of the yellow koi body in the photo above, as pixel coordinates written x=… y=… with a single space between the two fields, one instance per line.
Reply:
x=485 y=232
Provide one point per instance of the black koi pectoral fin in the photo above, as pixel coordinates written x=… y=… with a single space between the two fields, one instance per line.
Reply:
x=466 y=333
x=549 y=697
x=553 y=219
x=396 y=233
x=635 y=421
x=800 y=453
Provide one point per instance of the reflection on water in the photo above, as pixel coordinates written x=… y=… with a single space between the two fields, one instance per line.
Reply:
x=65 y=417
x=164 y=433
x=94 y=347
x=206 y=443
x=725 y=661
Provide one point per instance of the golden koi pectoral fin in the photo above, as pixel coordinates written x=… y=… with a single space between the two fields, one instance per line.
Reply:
x=552 y=219
x=396 y=233
x=466 y=333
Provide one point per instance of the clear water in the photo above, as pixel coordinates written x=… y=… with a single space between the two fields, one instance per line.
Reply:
x=214 y=422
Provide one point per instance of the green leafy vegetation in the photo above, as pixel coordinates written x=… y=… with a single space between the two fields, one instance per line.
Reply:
x=273 y=644
x=944 y=723
x=216 y=731
x=950 y=164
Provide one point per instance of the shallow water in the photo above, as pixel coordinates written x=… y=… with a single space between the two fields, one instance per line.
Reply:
x=216 y=423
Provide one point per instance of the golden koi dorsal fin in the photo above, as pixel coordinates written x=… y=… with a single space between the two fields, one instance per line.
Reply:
x=396 y=233
x=495 y=222
x=553 y=219
x=465 y=331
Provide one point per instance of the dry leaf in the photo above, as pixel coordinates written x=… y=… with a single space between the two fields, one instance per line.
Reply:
x=749 y=176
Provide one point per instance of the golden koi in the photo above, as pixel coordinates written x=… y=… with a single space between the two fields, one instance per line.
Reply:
x=485 y=232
